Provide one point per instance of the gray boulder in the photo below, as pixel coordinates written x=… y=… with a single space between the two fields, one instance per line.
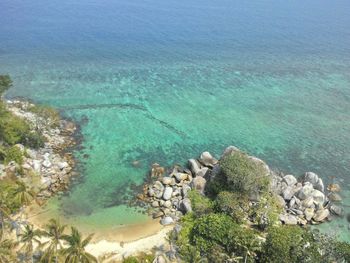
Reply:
x=185 y=205
x=314 y=180
x=289 y=219
x=336 y=210
x=207 y=159
x=334 y=197
x=202 y=172
x=288 y=193
x=321 y=215
x=167 y=220
x=167 y=193
x=319 y=197
x=305 y=191
x=290 y=179
x=180 y=176
x=167 y=180
x=229 y=150
x=194 y=166
x=185 y=189
x=309 y=213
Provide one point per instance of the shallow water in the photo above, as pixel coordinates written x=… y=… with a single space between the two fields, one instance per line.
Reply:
x=162 y=81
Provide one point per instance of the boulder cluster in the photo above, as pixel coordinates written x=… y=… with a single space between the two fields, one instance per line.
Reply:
x=168 y=194
x=49 y=163
x=305 y=199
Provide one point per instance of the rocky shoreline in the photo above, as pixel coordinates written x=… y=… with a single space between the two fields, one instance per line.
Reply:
x=303 y=200
x=52 y=164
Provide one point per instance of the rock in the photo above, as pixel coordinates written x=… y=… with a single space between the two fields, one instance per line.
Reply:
x=180 y=176
x=26 y=166
x=305 y=191
x=333 y=188
x=47 y=163
x=157 y=170
x=334 y=197
x=157 y=214
x=185 y=189
x=185 y=205
x=290 y=179
x=150 y=192
x=199 y=183
x=319 y=197
x=336 y=210
x=262 y=163
x=62 y=165
x=37 y=166
x=314 y=180
x=155 y=204
x=167 y=204
x=288 y=193
x=309 y=213
x=167 y=180
x=207 y=159
x=167 y=193
x=289 y=219
x=202 y=172
x=308 y=202
x=167 y=220
x=229 y=150
x=194 y=166
x=321 y=215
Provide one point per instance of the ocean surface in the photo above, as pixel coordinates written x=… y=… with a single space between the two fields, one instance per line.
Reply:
x=163 y=80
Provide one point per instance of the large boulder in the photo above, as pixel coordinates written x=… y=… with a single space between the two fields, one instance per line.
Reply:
x=202 y=172
x=305 y=191
x=309 y=213
x=168 y=191
x=229 y=150
x=288 y=193
x=167 y=220
x=167 y=180
x=289 y=219
x=290 y=179
x=194 y=166
x=321 y=215
x=319 y=197
x=199 y=183
x=314 y=179
x=185 y=205
x=207 y=159
x=185 y=189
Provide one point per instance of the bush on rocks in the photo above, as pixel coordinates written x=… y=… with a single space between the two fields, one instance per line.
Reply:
x=200 y=204
x=233 y=204
x=244 y=175
x=14 y=154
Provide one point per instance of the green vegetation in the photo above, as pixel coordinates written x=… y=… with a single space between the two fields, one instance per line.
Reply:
x=244 y=175
x=142 y=258
x=47 y=113
x=13 y=153
x=200 y=204
x=5 y=83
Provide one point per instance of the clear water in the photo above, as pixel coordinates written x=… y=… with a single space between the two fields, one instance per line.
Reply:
x=161 y=81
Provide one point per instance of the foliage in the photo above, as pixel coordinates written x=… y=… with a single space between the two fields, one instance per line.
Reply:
x=244 y=175
x=14 y=130
x=28 y=238
x=142 y=258
x=200 y=204
x=47 y=113
x=233 y=204
x=290 y=244
x=75 y=252
x=5 y=83
x=13 y=153
x=7 y=253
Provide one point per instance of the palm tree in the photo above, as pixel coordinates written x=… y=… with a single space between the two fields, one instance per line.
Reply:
x=23 y=194
x=28 y=237
x=54 y=231
x=75 y=253
x=7 y=253
x=5 y=211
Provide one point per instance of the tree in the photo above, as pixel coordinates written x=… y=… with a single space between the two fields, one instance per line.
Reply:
x=22 y=193
x=55 y=232
x=28 y=238
x=75 y=253
x=5 y=83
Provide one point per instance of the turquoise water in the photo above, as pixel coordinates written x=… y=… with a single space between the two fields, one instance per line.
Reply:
x=162 y=81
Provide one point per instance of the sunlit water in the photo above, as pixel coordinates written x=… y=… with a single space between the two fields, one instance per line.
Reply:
x=162 y=81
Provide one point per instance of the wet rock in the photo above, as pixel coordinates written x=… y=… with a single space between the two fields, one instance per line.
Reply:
x=207 y=159
x=167 y=193
x=290 y=180
x=336 y=210
x=321 y=215
x=334 y=197
x=333 y=188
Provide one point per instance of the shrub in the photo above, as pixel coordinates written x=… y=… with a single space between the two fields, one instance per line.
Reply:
x=243 y=174
x=290 y=244
x=5 y=83
x=200 y=204
x=14 y=154
x=233 y=204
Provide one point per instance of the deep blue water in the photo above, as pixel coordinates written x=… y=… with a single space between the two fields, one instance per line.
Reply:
x=161 y=81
